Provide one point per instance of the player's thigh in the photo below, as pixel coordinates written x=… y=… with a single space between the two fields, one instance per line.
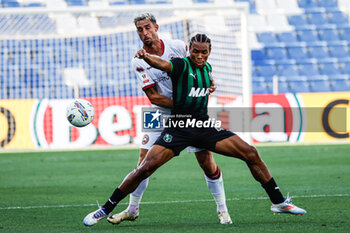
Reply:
x=234 y=146
x=148 y=140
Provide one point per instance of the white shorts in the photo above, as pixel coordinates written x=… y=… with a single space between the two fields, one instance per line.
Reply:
x=148 y=139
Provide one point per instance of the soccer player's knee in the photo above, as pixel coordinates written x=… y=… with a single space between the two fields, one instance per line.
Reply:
x=252 y=155
x=144 y=171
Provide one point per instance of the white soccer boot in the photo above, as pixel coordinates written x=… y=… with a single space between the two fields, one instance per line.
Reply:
x=287 y=207
x=94 y=217
x=224 y=217
x=122 y=216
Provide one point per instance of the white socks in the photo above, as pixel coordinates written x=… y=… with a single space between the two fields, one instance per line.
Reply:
x=136 y=196
x=217 y=189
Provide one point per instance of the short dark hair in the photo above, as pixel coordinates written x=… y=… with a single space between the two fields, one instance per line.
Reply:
x=202 y=38
x=145 y=16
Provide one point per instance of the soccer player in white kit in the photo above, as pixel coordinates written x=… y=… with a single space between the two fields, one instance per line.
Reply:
x=158 y=87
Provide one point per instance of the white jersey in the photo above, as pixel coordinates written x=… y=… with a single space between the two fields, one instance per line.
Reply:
x=152 y=77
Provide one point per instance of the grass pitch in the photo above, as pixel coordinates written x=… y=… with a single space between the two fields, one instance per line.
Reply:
x=53 y=191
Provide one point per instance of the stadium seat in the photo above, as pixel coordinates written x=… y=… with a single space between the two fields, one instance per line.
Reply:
x=308 y=69
x=317 y=18
x=35 y=4
x=287 y=70
x=318 y=52
x=307 y=35
x=265 y=5
x=345 y=68
x=276 y=53
x=266 y=38
x=328 y=34
x=298 y=20
x=308 y=3
x=344 y=33
x=266 y=70
x=329 y=68
x=298 y=86
x=260 y=88
x=338 y=18
x=257 y=23
x=328 y=4
x=339 y=51
x=257 y=54
x=297 y=52
x=341 y=85
x=320 y=86
x=287 y=37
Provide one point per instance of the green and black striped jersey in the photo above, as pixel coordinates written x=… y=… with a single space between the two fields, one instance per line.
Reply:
x=190 y=88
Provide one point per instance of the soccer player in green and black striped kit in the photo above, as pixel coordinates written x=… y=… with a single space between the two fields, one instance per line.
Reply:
x=190 y=126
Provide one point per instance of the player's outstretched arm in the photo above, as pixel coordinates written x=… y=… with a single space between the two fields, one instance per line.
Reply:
x=154 y=61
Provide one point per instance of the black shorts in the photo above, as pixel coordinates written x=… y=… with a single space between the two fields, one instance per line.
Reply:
x=178 y=139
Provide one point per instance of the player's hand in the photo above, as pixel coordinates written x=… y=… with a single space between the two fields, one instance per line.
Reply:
x=141 y=53
x=212 y=87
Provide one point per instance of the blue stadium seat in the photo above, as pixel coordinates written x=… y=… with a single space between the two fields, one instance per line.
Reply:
x=117 y=2
x=339 y=51
x=328 y=34
x=251 y=5
x=267 y=38
x=276 y=53
x=345 y=68
x=307 y=35
x=287 y=70
x=260 y=88
x=338 y=17
x=297 y=52
x=283 y=86
x=329 y=68
x=344 y=33
x=308 y=3
x=318 y=51
x=76 y=2
x=320 y=86
x=138 y=2
x=35 y=4
x=317 y=18
x=308 y=69
x=341 y=85
x=328 y=3
x=266 y=70
x=11 y=3
x=298 y=86
x=297 y=20
x=258 y=54
x=287 y=37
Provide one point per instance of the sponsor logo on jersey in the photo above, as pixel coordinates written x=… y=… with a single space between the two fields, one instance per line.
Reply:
x=145 y=139
x=198 y=92
x=167 y=138
x=144 y=76
x=139 y=69
x=194 y=76
x=146 y=81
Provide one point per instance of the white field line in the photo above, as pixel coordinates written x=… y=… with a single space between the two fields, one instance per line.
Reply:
x=167 y=202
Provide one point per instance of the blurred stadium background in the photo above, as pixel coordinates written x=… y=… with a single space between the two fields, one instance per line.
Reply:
x=289 y=54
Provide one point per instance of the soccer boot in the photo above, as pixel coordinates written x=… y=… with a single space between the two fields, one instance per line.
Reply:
x=224 y=217
x=122 y=216
x=287 y=207
x=94 y=217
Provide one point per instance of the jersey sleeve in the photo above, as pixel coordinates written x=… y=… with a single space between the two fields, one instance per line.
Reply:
x=144 y=76
x=177 y=66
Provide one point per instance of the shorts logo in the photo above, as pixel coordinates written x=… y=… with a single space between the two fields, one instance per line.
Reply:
x=152 y=119
x=145 y=139
x=167 y=138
